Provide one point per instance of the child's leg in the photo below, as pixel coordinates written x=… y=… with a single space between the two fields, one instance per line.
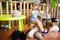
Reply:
x=39 y=23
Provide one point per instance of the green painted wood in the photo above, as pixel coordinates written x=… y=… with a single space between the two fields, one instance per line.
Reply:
x=20 y=27
x=11 y=18
x=9 y=25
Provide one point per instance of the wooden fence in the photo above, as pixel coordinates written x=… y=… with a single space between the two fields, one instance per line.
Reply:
x=24 y=7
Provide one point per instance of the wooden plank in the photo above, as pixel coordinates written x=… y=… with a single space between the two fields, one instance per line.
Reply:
x=24 y=7
x=21 y=7
x=15 y=5
x=43 y=7
x=27 y=7
x=1 y=7
x=11 y=6
x=57 y=8
x=30 y=6
x=11 y=11
x=47 y=9
x=7 y=7
x=16 y=9
x=40 y=8
x=27 y=11
x=52 y=12
x=10 y=0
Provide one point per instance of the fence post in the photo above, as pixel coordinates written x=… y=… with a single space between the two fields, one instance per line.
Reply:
x=40 y=7
x=27 y=11
x=0 y=7
x=7 y=6
x=21 y=6
x=27 y=7
x=15 y=6
x=24 y=7
x=11 y=5
x=30 y=6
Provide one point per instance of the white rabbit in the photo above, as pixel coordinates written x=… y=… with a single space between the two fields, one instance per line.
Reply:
x=32 y=32
x=38 y=35
x=54 y=29
x=16 y=13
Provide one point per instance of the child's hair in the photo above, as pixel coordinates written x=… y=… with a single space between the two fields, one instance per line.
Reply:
x=35 y=4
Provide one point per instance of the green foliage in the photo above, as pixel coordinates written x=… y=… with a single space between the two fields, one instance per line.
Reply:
x=53 y=3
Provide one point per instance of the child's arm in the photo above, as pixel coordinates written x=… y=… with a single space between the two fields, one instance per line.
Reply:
x=40 y=15
x=29 y=15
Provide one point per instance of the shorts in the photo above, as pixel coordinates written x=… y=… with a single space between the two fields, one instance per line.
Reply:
x=31 y=19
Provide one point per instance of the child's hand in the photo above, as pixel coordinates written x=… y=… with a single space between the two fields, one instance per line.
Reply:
x=32 y=12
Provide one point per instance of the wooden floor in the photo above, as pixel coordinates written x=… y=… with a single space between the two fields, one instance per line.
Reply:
x=4 y=35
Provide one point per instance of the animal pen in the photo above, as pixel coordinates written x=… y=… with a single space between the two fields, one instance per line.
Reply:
x=24 y=7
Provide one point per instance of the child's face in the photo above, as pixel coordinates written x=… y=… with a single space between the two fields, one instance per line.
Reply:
x=35 y=7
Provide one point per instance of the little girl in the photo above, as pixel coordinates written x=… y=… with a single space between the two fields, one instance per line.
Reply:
x=34 y=17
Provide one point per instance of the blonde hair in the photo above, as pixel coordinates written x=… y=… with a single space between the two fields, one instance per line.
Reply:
x=35 y=4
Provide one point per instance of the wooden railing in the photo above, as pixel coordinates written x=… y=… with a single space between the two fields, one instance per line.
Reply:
x=23 y=7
